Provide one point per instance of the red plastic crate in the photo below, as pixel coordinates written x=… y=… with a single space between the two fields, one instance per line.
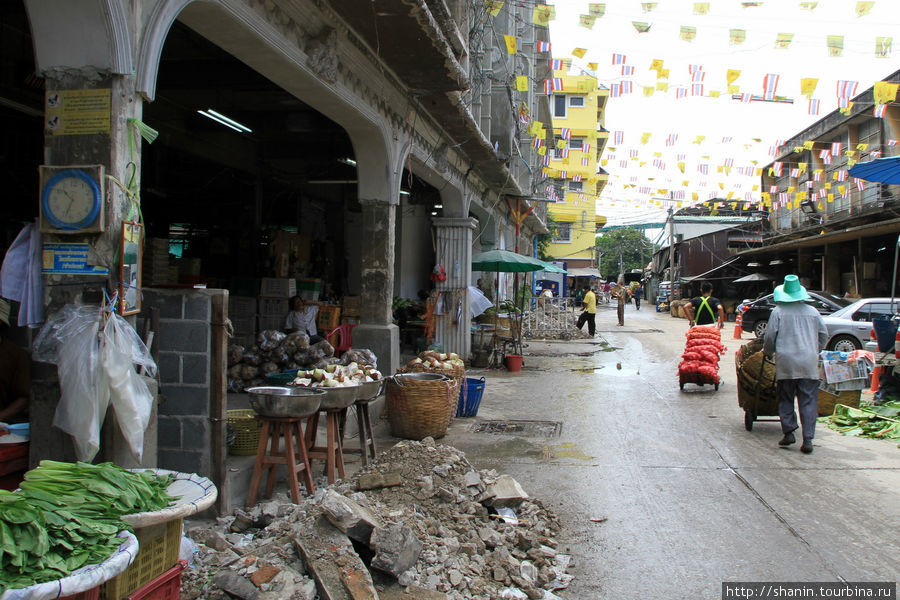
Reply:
x=13 y=464
x=165 y=587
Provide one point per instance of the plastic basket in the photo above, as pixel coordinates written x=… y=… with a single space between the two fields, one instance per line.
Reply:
x=165 y=587
x=159 y=546
x=470 y=397
x=246 y=431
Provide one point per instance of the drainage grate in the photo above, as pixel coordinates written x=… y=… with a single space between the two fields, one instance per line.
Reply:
x=520 y=427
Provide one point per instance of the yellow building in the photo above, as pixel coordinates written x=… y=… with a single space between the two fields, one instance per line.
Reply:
x=574 y=165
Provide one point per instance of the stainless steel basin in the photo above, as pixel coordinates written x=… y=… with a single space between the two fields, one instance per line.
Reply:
x=338 y=397
x=271 y=401
x=370 y=390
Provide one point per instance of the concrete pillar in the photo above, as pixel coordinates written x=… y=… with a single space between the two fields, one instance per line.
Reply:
x=454 y=253
x=831 y=269
x=376 y=330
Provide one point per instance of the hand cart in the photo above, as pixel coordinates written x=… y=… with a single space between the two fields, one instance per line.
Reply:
x=758 y=397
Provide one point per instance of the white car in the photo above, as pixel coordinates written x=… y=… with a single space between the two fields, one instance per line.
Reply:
x=851 y=327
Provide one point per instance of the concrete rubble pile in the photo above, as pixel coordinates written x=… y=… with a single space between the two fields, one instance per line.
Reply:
x=419 y=523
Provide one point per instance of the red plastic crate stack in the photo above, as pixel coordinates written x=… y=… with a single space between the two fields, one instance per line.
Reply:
x=165 y=587
x=700 y=360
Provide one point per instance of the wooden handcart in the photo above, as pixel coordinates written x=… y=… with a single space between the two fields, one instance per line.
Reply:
x=757 y=394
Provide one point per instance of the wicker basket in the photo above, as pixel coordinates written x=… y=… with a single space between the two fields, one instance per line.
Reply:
x=419 y=408
x=756 y=380
x=246 y=431
x=827 y=401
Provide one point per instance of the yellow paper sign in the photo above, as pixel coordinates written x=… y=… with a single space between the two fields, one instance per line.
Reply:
x=77 y=112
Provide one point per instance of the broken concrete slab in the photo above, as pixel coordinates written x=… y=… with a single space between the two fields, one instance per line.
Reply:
x=330 y=559
x=356 y=521
x=396 y=549
x=237 y=586
x=504 y=492
x=374 y=481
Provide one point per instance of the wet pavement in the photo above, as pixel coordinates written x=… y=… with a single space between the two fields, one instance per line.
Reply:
x=664 y=492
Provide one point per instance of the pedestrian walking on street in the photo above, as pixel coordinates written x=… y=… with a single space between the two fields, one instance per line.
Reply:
x=795 y=335
x=621 y=294
x=637 y=294
x=589 y=314
x=703 y=309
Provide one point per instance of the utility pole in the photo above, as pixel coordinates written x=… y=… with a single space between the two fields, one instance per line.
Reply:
x=671 y=253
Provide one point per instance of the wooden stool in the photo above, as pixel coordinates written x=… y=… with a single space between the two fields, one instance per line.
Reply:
x=366 y=436
x=267 y=458
x=331 y=452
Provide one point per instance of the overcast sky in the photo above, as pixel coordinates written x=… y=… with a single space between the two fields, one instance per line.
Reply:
x=729 y=126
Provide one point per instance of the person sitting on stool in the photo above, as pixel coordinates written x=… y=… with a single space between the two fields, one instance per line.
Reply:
x=302 y=318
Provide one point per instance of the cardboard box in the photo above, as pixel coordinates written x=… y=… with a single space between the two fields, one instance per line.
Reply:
x=278 y=287
x=241 y=306
x=271 y=307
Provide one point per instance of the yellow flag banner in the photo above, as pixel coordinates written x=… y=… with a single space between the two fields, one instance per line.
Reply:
x=835 y=45
x=542 y=150
x=641 y=26
x=648 y=90
x=714 y=93
x=645 y=137
x=521 y=83
x=493 y=7
x=842 y=189
x=543 y=14
x=737 y=36
x=662 y=86
x=648 y=6
x=535 y=127
x=731 y=75
x=596 y=10
x=862 y=147
x=592 y=66
x=560 y=144
x=847 y=110
x=681 y=167
x=809 y=144
x=863 y=8
x=579 y=52
x=830 y=198
x=783 y=40
x=802 y=167
x=511 y=44
x=587 y=21
x=656 y=64
x=885 y=92
x=734 y=89
x=883 y=46
x=808 y=86
x=701 y=8
x=699 y=139
x=688 y=33
x=798 y=149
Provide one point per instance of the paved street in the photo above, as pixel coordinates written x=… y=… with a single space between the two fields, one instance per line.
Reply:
x=689 y=496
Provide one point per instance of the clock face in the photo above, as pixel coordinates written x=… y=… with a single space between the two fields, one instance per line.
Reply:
x=71 y=200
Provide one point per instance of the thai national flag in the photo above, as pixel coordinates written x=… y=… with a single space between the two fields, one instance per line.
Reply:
x=878 y=111
x=564 y=153
x=729 y=162
x=615 y=90
x=846 y=89
x=618 y=59
x=704 y=169
x=680 y=92
x=548 y=87
x=633 y=153
x=627 y=70
x=671 y=139
x=822 y=193
x=586 y=148
x=623 y=163
x=891 y=142
x=795 y=172
x=835 y=148
x=842 y=175
x=770 y=84
x=696 y=89
x=584 y=162
x=576 y=178
x=727 y=139
x=618 y=137
x=698 y=76
x=860 y=185
x=627 y=87
x=543 y=46
x=813 y=106
x=563 y=174
x=778 y=166
x=566 y=133
x=745 y=98
x=817 y=175
x=875 y=153
x=682 y=156
x=556 y=64
x=773 y=189
x=824 y=153
x=537 y=142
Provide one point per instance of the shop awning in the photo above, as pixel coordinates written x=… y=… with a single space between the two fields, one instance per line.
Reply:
x=707 y=274
x=584 y=272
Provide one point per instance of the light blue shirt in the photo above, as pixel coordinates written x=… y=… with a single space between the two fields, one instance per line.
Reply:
x=796 y=334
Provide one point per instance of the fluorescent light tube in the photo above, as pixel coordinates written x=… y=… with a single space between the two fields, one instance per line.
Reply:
x=231 y=121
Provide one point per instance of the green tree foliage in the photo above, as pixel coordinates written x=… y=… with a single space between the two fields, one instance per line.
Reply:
x=545 y=239
x=631 y=245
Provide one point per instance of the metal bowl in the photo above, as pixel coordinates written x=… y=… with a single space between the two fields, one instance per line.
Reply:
x=370 y=390
x=401 y=377
x=338 y=397
x=285 y=402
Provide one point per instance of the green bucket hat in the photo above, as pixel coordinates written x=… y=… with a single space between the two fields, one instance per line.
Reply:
x=790 y=290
